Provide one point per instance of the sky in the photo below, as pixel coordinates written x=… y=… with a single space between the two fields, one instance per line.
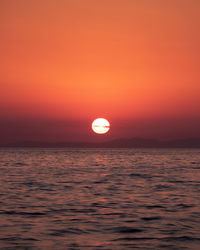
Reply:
x=64 y=63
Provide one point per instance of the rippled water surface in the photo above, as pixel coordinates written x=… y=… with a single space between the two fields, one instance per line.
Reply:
x=99 y=199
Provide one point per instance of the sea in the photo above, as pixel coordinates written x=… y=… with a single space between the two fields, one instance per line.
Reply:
x=99 y=198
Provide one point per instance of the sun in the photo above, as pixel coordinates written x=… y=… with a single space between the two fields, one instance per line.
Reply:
x=100 y=126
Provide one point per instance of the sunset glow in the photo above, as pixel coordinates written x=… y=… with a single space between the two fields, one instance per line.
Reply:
x=65 y=62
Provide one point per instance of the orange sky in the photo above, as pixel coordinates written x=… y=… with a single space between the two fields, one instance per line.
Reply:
x=63 y=62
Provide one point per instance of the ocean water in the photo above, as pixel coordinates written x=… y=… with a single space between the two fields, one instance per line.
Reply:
x=99 y=198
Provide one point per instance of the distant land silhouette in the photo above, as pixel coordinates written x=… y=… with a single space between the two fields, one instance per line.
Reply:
x=117 y=143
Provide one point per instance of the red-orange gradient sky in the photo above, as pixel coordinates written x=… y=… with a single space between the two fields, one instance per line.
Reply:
x=64 y=63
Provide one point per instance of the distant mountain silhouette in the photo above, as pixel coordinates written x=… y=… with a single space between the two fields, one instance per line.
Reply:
x=117 y=143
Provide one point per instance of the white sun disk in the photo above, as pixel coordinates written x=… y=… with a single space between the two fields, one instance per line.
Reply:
x=100 y=126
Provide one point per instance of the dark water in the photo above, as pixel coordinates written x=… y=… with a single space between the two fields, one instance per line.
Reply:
x=99 y=199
